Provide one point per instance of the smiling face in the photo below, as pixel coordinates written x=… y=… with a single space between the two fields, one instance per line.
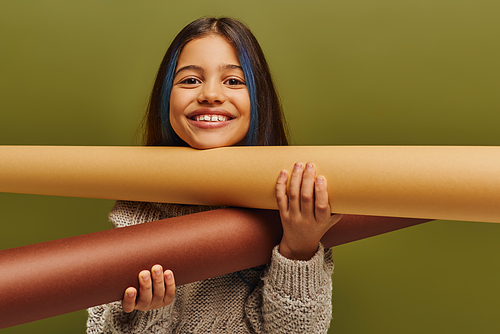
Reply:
x=209 y=102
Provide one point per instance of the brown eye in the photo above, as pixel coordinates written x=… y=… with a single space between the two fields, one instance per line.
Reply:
x=190 y=81
x=234 y=82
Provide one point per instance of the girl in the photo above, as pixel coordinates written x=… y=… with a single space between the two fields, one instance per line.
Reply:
x=214 y=89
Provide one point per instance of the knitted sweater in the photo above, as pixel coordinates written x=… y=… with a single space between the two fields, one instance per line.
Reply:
x=285 y=296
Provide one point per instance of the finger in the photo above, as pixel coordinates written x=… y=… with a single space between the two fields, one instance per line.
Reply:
x=281 y=197
x=128 y=301
x=158 y=286
x=307 y=190
x=145 y=291
x=170 y=284
x=294 y=188
x=322 y=204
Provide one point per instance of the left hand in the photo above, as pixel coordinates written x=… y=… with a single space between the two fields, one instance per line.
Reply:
x=304 y=210
x=157 y=289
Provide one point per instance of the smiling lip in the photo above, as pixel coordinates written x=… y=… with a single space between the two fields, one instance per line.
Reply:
x=210 y=118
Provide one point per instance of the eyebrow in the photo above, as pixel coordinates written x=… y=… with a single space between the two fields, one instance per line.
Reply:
x=198 y=68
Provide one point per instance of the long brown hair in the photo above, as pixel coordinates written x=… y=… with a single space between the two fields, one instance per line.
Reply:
x=267 y=124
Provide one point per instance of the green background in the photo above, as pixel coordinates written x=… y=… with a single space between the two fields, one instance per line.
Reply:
x=351 y=72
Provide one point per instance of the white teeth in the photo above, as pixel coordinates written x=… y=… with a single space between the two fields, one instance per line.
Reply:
x=212 y=118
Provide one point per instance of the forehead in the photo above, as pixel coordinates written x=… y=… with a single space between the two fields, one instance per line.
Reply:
x=208 y=51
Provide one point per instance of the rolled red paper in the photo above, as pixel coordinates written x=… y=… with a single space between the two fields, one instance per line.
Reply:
x=61 y=276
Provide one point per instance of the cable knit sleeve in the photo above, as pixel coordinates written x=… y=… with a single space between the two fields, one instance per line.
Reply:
x=110 y=318
x=295 y=297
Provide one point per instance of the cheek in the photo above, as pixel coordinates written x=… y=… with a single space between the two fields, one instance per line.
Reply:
x=175 y=103
x=245 y=111
x=176 y=112
x=178 y=104
x=244 y=104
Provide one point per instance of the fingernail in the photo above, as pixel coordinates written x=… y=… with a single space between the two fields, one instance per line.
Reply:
x=169 y=276
x=157 y=272
x=297 y=166
x=145 y=277
x=282 y=173
x=131 y=293
x=309 y=165
x=320 y=179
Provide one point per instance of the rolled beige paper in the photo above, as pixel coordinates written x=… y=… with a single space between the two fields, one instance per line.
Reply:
x=438 y=182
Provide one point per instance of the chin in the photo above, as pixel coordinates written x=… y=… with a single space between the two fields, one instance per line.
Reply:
x=216 y=143
x=206 y=146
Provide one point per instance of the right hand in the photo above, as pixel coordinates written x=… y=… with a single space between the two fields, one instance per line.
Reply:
x=154 y=292
x=304 y=211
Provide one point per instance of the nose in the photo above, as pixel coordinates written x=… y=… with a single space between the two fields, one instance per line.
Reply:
x=211 y=92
